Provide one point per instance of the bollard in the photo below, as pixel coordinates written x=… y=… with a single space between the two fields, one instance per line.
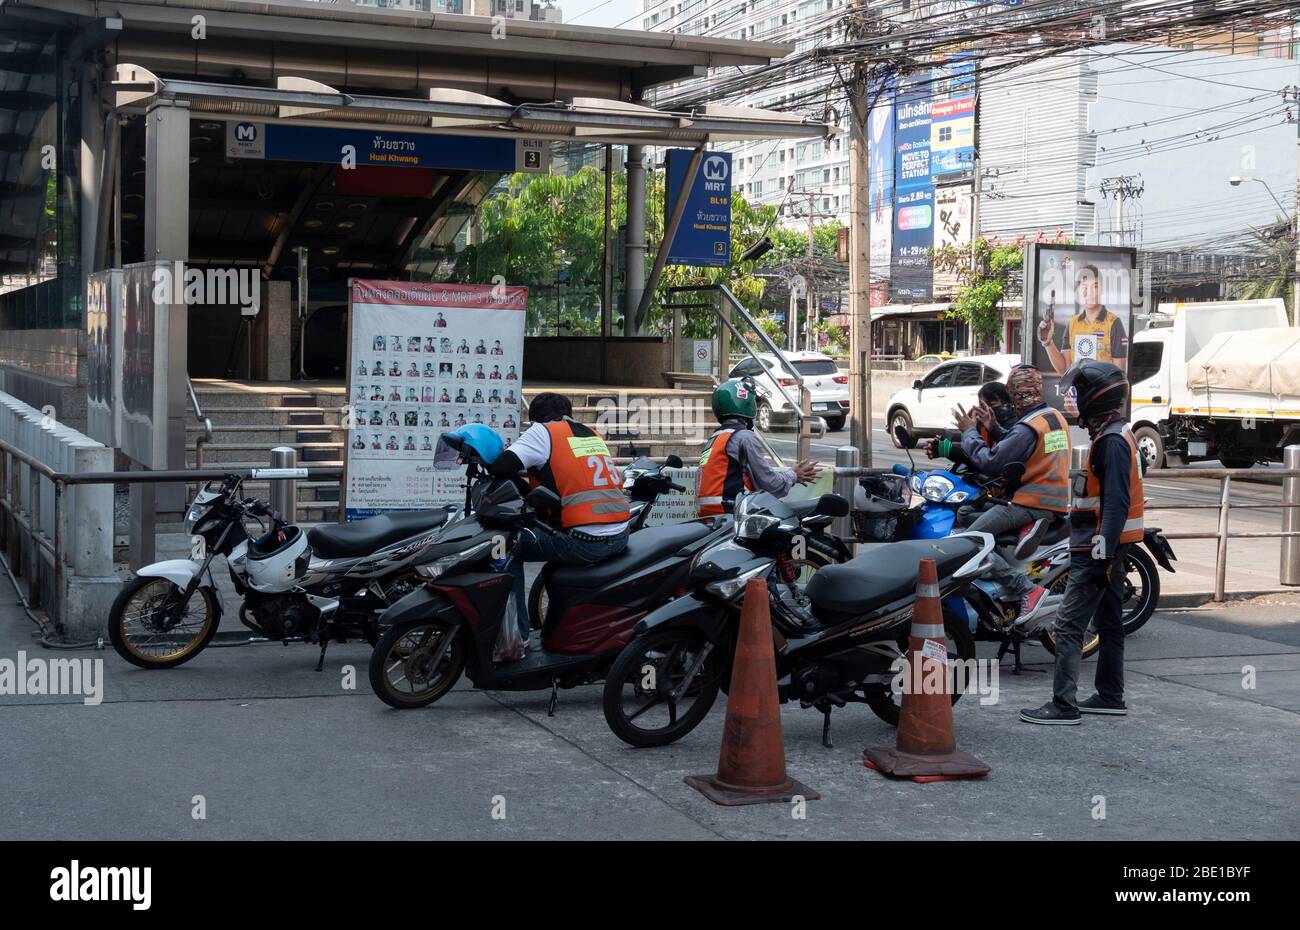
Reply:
x=845 y=457
x=284 y=491
x=1289 y=573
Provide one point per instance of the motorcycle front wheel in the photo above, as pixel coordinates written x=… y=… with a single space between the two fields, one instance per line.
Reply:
x=639 y=702
x=409 y=666
x=140 y=629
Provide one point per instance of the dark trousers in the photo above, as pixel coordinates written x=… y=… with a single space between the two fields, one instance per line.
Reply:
x=540 y=544
x=1085 y=602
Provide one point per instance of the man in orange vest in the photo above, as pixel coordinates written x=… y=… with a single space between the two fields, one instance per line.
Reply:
x=734 y=459
x=1105 y=519
x=1040 y=441
x=572 y=460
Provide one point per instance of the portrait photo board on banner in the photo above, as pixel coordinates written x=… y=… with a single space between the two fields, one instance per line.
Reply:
x=1078 y=304
x=424 y=359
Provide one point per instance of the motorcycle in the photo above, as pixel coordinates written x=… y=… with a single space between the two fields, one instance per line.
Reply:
x=951 y=499
x=321 y=585
x=453 y=622
x=838 y=637
x=644 y=481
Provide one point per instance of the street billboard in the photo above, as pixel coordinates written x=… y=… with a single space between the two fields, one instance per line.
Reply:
x=1078 y=305
x=953 y=212
x=880 y=126
x=703 y=238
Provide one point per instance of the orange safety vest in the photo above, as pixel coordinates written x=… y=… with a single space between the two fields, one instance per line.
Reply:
x=720 y=477
x=1045 y=485
x=581 y=472
x=1085 y=508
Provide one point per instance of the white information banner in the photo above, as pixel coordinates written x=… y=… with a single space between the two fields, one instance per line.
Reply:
x=422 y=359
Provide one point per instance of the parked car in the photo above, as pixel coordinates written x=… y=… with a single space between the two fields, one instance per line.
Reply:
x=926 y=407
x=934 y=358
x=827 y=384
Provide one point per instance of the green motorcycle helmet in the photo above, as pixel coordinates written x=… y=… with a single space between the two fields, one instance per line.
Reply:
x=735 y=398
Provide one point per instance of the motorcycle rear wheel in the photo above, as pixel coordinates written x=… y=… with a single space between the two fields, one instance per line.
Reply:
x=404 y=653
x=961 y=645
x=135 y=617
x=1140 y=601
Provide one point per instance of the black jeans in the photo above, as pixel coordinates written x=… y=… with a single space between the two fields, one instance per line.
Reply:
x=1084 y=601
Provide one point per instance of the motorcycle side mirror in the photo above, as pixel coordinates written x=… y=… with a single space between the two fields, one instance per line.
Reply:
x=542 y=499
x=905 y=439
x=673 y=461
x=831 y=505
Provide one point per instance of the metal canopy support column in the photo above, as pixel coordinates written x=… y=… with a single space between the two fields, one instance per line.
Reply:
x=634 y=244
x=167 y=238
x=607 y=266
x=670 y=232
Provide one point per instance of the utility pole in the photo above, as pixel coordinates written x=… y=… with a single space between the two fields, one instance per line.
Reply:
x=808 y=292
x=859 y=264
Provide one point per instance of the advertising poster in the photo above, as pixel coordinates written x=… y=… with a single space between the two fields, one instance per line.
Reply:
x=913 y=233
x=703 y=237
x=1078 y=305
x=880 y=126
x=952 y=118
x=953 y=212
x=422 y=359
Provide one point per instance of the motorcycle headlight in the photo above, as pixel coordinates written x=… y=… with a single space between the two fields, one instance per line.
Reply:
x=936 y=488
x=730 y=587
x=956 y=497
x=439 y=567
x=916 y=483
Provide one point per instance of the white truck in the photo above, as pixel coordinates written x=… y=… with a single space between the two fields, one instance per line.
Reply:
x=1216 y=380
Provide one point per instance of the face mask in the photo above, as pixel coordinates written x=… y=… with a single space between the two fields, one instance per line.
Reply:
x=1006 y=415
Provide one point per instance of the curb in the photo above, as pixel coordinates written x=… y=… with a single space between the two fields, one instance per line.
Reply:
x=1199 y=598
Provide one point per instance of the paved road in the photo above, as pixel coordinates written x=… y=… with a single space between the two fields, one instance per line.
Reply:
x=276 y=750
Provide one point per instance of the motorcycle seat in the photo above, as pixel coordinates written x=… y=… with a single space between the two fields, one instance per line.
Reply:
x=884 y=573
x=643 y=547
x=345 y=540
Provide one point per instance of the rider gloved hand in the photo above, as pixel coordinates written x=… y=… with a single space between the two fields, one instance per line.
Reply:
x=1099 y=572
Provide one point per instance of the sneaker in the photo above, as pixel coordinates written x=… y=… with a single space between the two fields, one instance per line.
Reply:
x=1099 y=705
x=1050 y=712
x=1029 y=602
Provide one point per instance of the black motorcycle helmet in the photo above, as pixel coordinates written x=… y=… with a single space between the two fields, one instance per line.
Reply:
x=1100 y=388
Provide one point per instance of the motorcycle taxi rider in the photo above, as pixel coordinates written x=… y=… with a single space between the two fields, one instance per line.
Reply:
x=734 y=459
x=1040 y=441
x=995 y=415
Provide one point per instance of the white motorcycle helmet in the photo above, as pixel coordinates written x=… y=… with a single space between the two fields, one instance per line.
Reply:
x=277 y=560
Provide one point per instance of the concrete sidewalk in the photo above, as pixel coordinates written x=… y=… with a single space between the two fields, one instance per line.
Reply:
x=279 y=751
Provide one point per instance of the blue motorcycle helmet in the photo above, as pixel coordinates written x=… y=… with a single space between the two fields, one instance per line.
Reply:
x=475 y=439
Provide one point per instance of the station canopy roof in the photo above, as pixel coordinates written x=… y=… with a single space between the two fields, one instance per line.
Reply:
x=342 y=63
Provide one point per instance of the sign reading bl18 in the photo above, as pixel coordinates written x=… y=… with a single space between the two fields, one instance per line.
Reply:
x=704 y=235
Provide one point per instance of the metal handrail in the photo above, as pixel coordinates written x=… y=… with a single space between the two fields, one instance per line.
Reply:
x=203 y=421
x=802 y=408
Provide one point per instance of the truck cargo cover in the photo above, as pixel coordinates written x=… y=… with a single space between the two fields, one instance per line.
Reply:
x=1258 y=361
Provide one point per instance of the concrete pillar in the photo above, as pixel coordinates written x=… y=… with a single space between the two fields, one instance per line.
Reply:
x=634 y=245
x=273 y=332
x=167 y=238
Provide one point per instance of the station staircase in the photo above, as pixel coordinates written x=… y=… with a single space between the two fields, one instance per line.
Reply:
x=250 y=418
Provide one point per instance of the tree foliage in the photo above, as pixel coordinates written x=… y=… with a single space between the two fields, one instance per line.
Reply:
x=986 y=273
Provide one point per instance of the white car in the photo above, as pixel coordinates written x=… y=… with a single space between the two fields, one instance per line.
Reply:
x=926 y=407
x=828 y=385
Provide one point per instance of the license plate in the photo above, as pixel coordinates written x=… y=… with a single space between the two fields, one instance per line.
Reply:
x=822 y=406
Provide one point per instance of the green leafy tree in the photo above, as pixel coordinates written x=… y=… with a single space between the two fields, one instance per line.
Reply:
x=986 y=274
x=1270 y=265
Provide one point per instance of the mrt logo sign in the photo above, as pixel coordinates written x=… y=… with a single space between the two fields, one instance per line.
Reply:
x=704 y=234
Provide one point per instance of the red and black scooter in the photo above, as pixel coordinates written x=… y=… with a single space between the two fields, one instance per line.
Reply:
x=451 y=624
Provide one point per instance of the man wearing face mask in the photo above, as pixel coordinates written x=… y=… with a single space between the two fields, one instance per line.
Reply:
x=1039 y=440
x=1105 y=519
x=995 y=415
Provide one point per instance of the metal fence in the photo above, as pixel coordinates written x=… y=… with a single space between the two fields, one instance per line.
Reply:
x=23 y=480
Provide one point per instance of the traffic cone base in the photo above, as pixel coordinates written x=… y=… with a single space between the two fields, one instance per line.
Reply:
x=734 y=795
x=949 y=766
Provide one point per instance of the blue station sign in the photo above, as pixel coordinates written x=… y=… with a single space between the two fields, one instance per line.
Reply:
x=704 y=236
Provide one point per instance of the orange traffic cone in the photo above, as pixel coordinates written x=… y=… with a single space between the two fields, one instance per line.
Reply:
x=926 y=747
x=751 y=766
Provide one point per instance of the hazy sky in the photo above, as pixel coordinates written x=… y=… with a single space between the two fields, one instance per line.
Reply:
x=611 y=13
